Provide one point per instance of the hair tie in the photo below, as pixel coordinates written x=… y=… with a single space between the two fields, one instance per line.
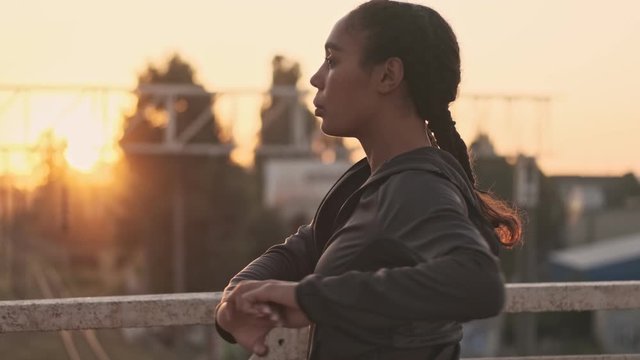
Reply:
x=440 y=120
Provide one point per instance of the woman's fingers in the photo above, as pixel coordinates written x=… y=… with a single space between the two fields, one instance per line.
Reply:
x=276 y=318
x=278 y=292
x=246 y=307
x=260 y=347
x=237 y=296
x=263 y=299
x=264 y=294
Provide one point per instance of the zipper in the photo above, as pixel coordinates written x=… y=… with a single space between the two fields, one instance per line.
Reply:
x=340 y=180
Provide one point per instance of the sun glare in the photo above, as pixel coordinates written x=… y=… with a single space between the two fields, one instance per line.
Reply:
x=85 y=139
x=83 y=122
x=82 y=157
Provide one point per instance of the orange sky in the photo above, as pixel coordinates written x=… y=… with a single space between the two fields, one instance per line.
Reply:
x=585 y=54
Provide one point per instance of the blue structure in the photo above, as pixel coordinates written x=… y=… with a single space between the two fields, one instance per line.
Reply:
x=606 y=260
x=617 y=331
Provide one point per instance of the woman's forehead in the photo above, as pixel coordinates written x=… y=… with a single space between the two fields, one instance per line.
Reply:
x=343 y=38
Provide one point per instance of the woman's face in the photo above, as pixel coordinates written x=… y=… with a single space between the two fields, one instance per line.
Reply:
x=346 y=96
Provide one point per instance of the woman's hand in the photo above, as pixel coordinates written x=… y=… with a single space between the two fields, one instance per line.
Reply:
x=275 y=299
x=248 y=328
x=253 y=308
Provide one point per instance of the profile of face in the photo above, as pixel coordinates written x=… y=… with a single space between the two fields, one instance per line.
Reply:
x=346 y=95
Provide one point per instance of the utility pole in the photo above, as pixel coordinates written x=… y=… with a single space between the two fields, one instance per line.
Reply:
x=5 y=238
x=540 y=103
x=12 y=243
x=178 y=230
x=527 y=195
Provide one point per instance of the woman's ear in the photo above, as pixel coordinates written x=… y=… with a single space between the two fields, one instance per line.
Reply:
x=391 y=74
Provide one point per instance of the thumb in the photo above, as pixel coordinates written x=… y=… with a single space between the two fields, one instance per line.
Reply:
x=260 y=347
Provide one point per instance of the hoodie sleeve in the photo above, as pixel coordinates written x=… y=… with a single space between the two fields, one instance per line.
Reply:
x=454 y=276
x=291 y=261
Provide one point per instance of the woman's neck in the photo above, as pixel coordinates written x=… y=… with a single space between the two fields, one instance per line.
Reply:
x=392 y=138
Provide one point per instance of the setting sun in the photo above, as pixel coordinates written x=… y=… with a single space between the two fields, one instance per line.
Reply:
x=86 y=137
x=83 y=122
x=82 y=155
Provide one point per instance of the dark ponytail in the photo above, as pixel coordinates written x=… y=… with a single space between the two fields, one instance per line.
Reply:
x=504 y=219
x=448 y=138
x=428 y=48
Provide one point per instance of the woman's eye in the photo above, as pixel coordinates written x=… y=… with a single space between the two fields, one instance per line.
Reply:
x=329 y=61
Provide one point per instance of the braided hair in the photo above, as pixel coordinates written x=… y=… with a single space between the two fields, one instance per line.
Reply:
x=429 y=51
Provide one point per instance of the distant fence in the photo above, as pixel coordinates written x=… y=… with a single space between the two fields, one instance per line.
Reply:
x=197 y=308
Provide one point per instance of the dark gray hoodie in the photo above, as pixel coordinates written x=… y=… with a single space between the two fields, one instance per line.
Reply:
x=392 y=263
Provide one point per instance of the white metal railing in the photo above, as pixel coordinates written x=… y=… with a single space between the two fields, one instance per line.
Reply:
x=197 y=308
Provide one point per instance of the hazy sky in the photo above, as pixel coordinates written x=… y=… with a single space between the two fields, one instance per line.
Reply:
x=583 y=53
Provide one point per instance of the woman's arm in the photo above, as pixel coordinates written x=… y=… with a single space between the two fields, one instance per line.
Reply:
x=455 y=276
x=292 y=260
x=461 y=286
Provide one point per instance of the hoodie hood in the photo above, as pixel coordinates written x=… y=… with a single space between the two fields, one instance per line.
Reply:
x=432 y=160
x=441 y=163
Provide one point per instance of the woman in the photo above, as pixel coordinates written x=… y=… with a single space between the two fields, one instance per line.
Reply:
x=403 y=248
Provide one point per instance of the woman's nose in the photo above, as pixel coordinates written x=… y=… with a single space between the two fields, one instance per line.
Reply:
x=316 y=79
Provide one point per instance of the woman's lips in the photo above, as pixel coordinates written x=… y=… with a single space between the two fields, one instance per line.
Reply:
x=319 y=111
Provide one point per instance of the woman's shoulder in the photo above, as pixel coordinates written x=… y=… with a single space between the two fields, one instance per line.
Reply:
x=419 y=208
x=419 y=189
x=421 y=168
x=412 y=196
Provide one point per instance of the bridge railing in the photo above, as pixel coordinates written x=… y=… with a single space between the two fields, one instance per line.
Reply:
x=197 y=309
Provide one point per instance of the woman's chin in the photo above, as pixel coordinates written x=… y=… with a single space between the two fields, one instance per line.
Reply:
x=328 y=130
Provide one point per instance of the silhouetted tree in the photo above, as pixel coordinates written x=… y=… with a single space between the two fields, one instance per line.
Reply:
x=221 y=205
x=279 y=113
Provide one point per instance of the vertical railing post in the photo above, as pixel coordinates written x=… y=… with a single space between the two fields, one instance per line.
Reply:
x=172 y=123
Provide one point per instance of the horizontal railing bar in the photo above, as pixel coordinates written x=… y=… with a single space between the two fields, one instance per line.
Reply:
x=566 y=357
x=108 y=312
x=186 y=89
x=576 y=296
x=197 y=308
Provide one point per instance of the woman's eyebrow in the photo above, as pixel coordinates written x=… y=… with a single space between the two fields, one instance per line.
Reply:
x=332 y=46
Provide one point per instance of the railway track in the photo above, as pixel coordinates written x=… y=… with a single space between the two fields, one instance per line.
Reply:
x=51 y=285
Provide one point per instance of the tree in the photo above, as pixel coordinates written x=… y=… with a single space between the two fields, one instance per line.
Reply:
x=279 y=113
x=220 y=201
